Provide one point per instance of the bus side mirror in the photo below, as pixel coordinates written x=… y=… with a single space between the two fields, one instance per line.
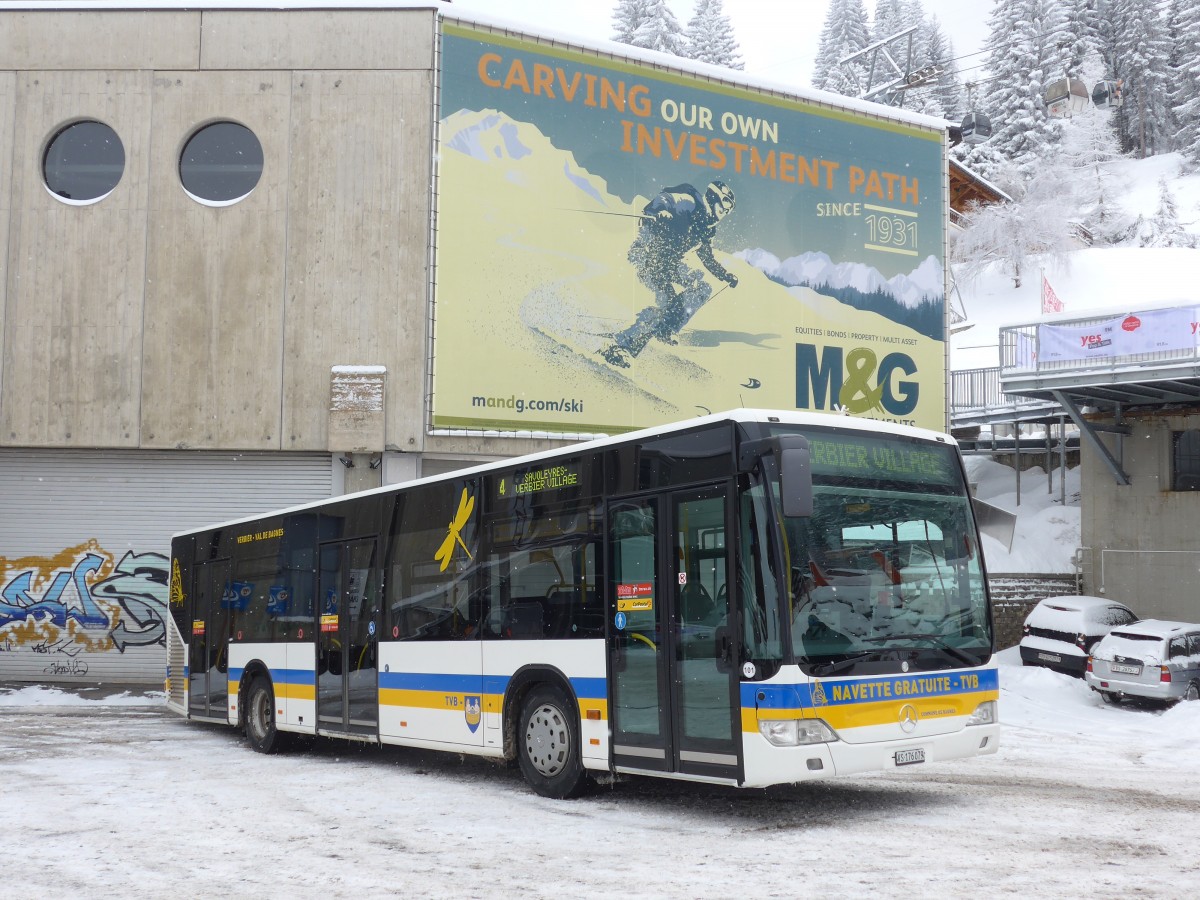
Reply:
x=795 y=476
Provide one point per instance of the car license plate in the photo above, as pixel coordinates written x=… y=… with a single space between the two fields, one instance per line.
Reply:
x=1050 y=657
x=1126 y=670
x=908 y=757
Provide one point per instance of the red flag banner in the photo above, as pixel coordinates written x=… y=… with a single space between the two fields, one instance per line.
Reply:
x=1050 y=301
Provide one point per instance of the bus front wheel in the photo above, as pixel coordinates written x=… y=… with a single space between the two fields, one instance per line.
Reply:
x=260 y=717
x=548 y=745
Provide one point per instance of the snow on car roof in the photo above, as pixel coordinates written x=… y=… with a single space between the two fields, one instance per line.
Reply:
x=1157 y=628
x=1065 y=613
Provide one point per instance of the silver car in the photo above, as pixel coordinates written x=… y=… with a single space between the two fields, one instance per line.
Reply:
x=1151 y=659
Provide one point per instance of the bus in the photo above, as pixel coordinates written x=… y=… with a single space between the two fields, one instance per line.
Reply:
x=750 y=598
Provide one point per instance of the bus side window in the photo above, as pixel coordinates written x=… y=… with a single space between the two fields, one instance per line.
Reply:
x=432 y=566
x=756 y=583
x=546 y=586
x=258 y=579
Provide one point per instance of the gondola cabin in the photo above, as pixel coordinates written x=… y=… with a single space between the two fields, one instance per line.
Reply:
x=1107 y=94
x=976 y=128
x=1066 y=97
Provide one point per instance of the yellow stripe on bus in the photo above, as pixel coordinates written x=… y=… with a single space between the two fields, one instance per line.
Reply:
x=295 y=691
x=859 y=715
x=492 y=703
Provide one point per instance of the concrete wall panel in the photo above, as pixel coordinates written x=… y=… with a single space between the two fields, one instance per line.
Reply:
x=100 y=39
x=318 y=39
x=1140 y=538
x=73 y=310
x=8 y=99
x=358 y=230
x=215 y=276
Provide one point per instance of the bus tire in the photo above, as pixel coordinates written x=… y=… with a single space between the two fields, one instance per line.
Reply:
x=260 y=717
x=548 y=745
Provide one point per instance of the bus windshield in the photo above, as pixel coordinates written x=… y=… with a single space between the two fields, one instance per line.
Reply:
x=887 y=568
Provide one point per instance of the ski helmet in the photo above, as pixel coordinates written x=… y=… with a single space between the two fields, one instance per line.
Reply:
x=720 y=197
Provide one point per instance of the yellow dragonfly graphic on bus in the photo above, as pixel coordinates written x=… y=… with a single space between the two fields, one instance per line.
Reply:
x=466 y=505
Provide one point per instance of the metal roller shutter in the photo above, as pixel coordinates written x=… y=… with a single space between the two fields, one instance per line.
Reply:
x=85 y=541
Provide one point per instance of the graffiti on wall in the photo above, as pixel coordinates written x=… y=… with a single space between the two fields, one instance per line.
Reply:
x=82 y=601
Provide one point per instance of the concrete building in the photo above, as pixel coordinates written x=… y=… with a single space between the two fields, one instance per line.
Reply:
x=171 y=359
x=1130 y=382
x=221 y=236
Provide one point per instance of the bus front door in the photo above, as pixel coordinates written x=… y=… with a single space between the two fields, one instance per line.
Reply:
x=671 y=621
x=347 y=643
x=208 y=664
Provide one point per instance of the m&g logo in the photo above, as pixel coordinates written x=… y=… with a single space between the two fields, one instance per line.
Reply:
x=859 y=383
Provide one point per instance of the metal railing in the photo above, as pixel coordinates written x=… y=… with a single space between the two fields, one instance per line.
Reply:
x=976 y=389
x=1022 y=351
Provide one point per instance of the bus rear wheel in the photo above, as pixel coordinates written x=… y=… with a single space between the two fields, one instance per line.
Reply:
x=548 y=745
x=260 y=717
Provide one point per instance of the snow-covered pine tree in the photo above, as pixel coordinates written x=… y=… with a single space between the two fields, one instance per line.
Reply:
x=1088 y=147
x=946 y=96
x=627 y=18
x=710 y=36
x=889 y=18
x=845 y=32
x=1185 y=69
x=1140 y=57
x=1163 y=229
x=659 y=30
x=912 y=14
x=1038 y=221
x=1025 y=57
x=1081 y=33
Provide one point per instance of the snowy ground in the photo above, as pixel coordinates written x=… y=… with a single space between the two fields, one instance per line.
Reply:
x=118 y=798
x=1047 y=532
x=1094 y=280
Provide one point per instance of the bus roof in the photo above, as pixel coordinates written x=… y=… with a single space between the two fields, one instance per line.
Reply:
x=765 y=416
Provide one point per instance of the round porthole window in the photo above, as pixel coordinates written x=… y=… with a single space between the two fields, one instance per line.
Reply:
x=221 y=163
x=83 y=163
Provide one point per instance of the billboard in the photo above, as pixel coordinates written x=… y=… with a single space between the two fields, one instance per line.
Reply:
x=620 y=245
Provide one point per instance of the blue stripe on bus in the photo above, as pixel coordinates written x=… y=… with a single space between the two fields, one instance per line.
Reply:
x=428 y=681
x=280 y=676
x=868 y=690
x=585 y=688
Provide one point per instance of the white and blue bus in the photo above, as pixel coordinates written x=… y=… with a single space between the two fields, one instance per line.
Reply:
x=751 y=598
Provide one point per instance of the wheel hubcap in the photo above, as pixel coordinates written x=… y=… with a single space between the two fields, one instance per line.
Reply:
x=260 y=713
x=546 y=741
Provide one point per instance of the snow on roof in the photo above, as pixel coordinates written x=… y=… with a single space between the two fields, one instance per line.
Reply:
x=178 y=6
x=973 y=176
x=704 y=70
x=515 y=28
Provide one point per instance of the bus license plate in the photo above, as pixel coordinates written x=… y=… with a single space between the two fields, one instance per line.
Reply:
x=908 y=757
x=1126 y=670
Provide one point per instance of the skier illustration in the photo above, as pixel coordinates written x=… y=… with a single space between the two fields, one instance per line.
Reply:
x=680 y=219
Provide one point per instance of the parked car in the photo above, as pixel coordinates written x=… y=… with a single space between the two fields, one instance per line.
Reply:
x=1061 y=631
x=1151 y=659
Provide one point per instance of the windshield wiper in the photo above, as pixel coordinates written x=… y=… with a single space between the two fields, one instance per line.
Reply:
x=833 y=668
x=936 y=639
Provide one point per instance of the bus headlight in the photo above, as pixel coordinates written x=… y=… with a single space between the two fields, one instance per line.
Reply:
x=796 y=732
x=985 y=714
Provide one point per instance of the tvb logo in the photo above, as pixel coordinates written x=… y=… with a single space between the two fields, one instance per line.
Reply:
x=859 y=383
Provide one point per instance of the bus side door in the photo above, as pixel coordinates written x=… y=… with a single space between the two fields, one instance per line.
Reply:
x=208 y=654
x=671 y=623
x=347 y=691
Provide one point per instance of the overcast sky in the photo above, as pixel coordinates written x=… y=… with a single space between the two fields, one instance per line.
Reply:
x=778 y=37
